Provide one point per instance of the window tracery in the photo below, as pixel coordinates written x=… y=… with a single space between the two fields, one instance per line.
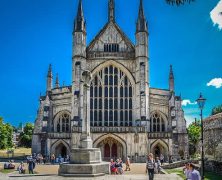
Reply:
x=111 y=98
x=157 y=123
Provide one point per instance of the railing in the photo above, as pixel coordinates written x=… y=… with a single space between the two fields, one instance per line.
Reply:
x=156 y=135
x=59 y=135
x=113 y=129
x=93 y=55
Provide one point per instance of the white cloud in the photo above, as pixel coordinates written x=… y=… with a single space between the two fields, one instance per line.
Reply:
x=216 y=82
x=216 y=15
x=186 y=102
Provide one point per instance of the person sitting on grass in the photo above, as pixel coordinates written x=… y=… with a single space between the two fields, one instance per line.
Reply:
x=21 y=168
x=9 y=165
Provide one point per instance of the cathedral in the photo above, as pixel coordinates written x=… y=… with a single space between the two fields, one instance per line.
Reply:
x=128 y=118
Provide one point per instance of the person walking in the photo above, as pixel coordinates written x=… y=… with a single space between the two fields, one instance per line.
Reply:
x=161 y=159
x=157 y=165
x=187 y=171
x=150 y=165
x=31 y=166
x=127 y=164
x=53 y=158
x=194 y=174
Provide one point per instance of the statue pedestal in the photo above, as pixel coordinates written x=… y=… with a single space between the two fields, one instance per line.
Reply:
x=84 y=163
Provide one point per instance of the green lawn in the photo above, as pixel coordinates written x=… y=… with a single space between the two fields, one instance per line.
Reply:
x=208 y=175
x=6 y=171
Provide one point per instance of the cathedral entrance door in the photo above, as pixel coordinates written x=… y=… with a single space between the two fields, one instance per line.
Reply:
x=61 y=150
x=157 y=151
x=107 y=151
x=114 y=151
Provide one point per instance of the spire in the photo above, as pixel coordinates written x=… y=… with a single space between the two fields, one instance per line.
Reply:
x=171 y=79
x=49 y=78
x=50 y=71
x=57 y=81
x=79 y=24
x=111 y=10
x=141 y=25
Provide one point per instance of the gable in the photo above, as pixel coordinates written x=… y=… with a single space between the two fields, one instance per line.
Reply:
x=111 y=34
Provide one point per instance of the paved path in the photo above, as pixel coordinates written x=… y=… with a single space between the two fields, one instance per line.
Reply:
x=108 y=177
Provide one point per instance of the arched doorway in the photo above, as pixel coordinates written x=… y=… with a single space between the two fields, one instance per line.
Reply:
x=159 y=147
x=111 y=149
x=157 y=151
x=61 y=150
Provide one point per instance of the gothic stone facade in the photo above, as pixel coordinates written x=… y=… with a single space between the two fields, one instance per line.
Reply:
x=213 y=137
x=127 y=116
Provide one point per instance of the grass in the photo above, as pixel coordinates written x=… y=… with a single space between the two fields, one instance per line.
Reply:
x=17 y=152
x=208 y=175
x=6 y=171
x=177 y=171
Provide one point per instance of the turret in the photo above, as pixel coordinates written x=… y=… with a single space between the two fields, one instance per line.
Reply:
x=49 y=79
x=111 y=10
x=171 y=79
x=142 y=68
x=79 y=24
x=78 y=62
x=57 y=81
x=141 y=25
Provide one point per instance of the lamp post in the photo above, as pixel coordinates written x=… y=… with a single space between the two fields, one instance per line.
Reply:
x=201 y=102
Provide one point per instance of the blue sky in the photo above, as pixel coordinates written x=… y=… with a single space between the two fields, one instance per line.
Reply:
x=38 y=32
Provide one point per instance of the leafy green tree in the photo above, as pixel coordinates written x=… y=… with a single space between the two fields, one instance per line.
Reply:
x=6 y=131
x=25 y=137
x=194 y=132
x=216 y=110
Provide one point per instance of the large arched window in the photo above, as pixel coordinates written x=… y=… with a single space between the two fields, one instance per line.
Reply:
x=111 y=98
x=63 y=123
x=157 y=123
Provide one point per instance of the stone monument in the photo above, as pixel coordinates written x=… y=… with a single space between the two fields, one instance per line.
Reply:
x=85 y=161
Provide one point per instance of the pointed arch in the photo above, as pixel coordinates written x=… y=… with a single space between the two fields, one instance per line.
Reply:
x=58 y=143
x=116 y=138
x=159 y=122
x=62 y=122
x=111 y=95
x=162 y=145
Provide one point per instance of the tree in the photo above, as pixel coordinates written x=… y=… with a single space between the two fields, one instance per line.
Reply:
x=216 y=110
x=6 y=131
x=194 y=132
x=25 y=137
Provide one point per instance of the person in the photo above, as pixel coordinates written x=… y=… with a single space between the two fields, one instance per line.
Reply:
x=194 y=174
x=170 y=159
x=67 y=158
x=9 y=165
x=127 y=164
x=60 y=159
x=21 y=168
x=120 y=168
x=31 y=166
x=53 y=158
x=44 y=159
x=161 y=159
x=113 y=167
x=186 y=171
x=157 y=165
x=150 y=164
